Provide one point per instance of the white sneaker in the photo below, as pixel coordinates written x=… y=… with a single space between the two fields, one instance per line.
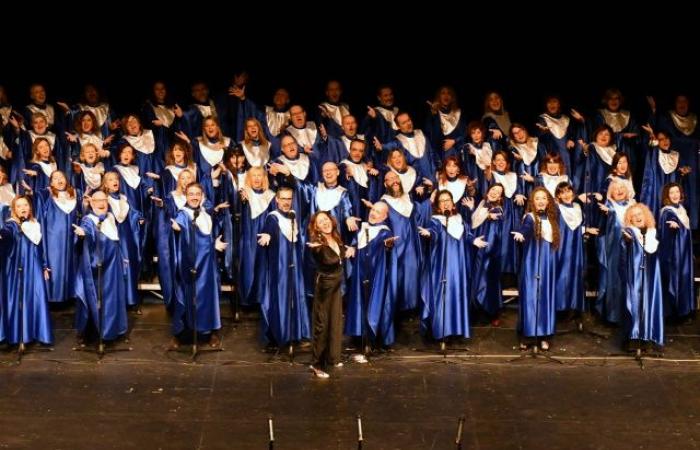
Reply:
x=544 y=345
x=338 y=365
x=360 y=358
x=318 y=373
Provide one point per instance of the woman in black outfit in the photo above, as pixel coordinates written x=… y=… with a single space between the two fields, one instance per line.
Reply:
x=328 y=251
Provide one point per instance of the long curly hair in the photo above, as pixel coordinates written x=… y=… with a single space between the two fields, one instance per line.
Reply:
x=552 y=215
x=315 y=234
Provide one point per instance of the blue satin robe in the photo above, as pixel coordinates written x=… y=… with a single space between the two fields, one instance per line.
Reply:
x=570 y=265
x=655 y=179
x=676 y=260
x=611 y=294
x=113 y=278
x=59 y=248
x=248 y=250
x=537 y=312
x=486 y=272
x=370 y=300
x=448 y=262
x=194 y=249
x=643 y=307
x=285 y=315
x=36 y=319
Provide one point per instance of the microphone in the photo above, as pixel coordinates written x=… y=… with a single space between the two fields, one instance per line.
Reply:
x=643 y=230
x=291 y=214
x=196 y=214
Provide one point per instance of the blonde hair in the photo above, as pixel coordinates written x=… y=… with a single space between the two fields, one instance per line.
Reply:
x=649 y=221
x=614 y=183
x=82 y=151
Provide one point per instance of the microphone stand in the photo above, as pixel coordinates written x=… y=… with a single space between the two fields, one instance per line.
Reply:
x=21 y=348
x=290 y=285
x=101 y=349
x=640 y=309
x=538 y=279
x=443 y=282
x=365 y=302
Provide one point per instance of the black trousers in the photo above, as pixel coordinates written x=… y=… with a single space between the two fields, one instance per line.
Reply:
x=327 y=318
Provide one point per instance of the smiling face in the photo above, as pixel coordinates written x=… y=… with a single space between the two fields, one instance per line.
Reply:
x=194 y=196
x=519 y=135
x=397 y=160
x=256 y=175
x=184 y=179
x=86 y=124
x=392 y=183
x=494 y=102
x=39 y=123
x=284 y=200
x=500 y=163
x=494 y=194
x=133 y=125
x=621 y=166
x=378 y=213
x=178 y=154
x=357 y=151
x=324 y=224
x=619 y=192
x=603 y=138
x=552 y=168
x=98 y=203
x=540 y=201
x=637 y=218
x=675 y=195
x=566 y=196
x=330 y=174
x=252 y=129
x=38 y=94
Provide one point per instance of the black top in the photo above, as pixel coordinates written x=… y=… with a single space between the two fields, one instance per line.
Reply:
x=328 y=261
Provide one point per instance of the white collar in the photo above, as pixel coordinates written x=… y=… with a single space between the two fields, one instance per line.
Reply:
x=556 y=126
x=389 y=115
x=304 y=136
x=47 y=168
x=130 y=174
x=371 y=230
x=258 y=203
x=572 y=215
x=449 y=121
x=546 y=229
x=668 y=161
x=336 y=112
x=327 y=198
x=255 y=154
x=684 y=124
x=402 y=205
x=483 y=154
x=527 y=150
x=651 y=244
x=120 y=207
x=203 y=221
x=64 y=202
x=32 y=230
x=210 y=154
x=617 y=121
x=408 y=178
x=359 y=173
x=144 y=142
x=551 y=182
x=92 y=175
x=108 y=227
x=456 y=187
x=680 y=212
x=606 y=153
x=285 y=226
x=298 y=167
x=509 y=180
x=455 y=224
x=414 y=145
